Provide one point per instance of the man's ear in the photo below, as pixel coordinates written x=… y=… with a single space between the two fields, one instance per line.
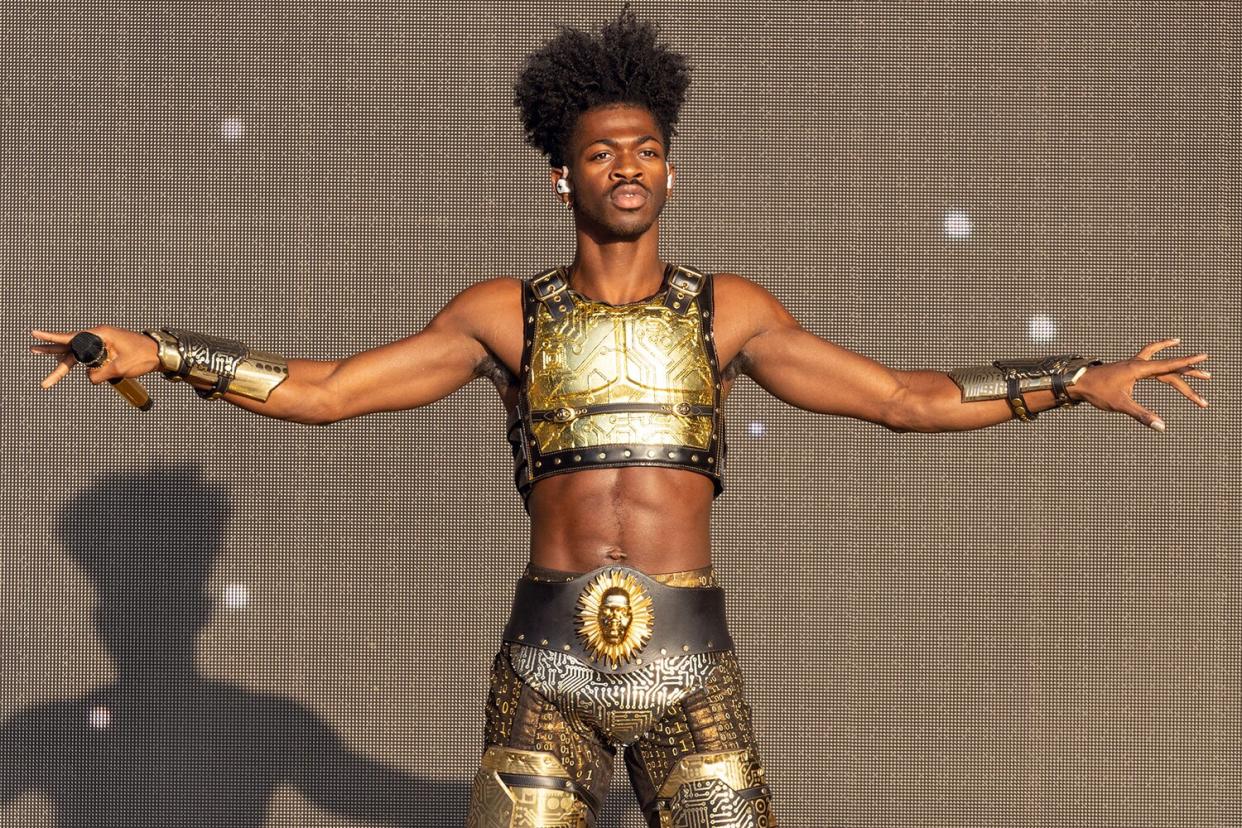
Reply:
x=670 y=175
x=558 y=175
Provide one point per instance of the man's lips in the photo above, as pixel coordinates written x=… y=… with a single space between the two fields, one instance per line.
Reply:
x=629 y=196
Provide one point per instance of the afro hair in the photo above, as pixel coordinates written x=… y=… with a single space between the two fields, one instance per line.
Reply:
x=576 y=71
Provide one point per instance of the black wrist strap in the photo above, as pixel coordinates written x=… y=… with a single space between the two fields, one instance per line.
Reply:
x=1017 y=402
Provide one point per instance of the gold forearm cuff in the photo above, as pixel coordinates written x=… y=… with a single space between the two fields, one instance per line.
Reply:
x=215 y=366
x=990 y=382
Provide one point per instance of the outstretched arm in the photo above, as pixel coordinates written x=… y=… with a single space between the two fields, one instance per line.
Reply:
x=811 y=373
x=408 y=373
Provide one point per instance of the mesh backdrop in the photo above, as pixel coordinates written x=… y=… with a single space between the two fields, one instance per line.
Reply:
x=1025 y=625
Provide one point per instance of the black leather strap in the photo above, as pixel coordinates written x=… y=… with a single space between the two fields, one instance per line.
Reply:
x=684 y=619
x=684 y=285
x=565 y=413
x=1059 y=390
x=552 y=289
x=522 y=780
x=1018 y=402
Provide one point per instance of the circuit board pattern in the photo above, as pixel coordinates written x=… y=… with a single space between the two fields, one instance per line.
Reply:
x=599 y=353
x=620 y=707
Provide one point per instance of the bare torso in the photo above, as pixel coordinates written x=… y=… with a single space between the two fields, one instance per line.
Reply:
x=653 y=519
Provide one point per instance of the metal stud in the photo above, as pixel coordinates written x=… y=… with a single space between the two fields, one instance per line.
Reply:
x=663 y=651
x=672 y=455
x=694 y=457
x=565 y=648
x=711 y=459
x=543 y=642
x=561 y=307
x=521 y=636
x=603 y=455
x=628 y=452
x=539 y=464
x=577 y=458
x=530 y=319
x=651 y=452
x=677 y=304
x=557 y=461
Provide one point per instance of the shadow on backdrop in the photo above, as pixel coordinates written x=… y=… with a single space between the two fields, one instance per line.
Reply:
x=164 y=746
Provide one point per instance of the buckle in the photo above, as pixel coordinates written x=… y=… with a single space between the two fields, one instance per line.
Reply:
x=686 y=281
x=558 y=287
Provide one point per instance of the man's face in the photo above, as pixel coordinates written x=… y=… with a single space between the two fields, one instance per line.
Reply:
x=614 y=617
x=616 y=168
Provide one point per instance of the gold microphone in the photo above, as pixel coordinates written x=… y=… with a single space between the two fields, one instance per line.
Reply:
x=90 y=350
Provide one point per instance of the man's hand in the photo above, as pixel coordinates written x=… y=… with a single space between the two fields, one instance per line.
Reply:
x=130 y=354
x=1109 y=387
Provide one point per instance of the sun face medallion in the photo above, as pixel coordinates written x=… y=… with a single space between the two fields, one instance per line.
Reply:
x=615 y=618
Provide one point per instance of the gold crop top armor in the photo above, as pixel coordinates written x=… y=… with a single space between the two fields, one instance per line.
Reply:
x=605 y=385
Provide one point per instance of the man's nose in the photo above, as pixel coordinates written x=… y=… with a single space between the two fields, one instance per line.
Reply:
x=627 y=167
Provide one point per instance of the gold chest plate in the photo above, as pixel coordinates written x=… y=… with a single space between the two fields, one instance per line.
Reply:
x=618 y=385
x=600 y=353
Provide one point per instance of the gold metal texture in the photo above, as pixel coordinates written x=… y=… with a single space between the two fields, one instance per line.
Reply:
x=206 y=362
x=705 y=789
x=990 y=382
x=496 y=804
x=614 y=617
x=733 y=767
x=529 y=762
x=620 y=708
x=598 y=353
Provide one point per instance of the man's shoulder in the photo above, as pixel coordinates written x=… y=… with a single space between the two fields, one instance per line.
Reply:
x=502 y=286
x=735 y=291
x=488 y=295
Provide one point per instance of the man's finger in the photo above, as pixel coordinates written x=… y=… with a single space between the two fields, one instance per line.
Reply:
x=52 y=336
x=1181 y=385
x=1155 y=347
x=49 y=349
x=1147 y=418
x=58 y=373
x=1165 y=366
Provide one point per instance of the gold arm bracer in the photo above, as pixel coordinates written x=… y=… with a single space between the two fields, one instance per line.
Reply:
x=214 y=366
x=990 y=382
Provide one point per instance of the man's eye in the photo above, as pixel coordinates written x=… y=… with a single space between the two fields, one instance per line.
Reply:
x=598 y=156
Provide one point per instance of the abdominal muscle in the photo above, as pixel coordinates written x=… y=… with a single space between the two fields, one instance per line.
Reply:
x=652 y=519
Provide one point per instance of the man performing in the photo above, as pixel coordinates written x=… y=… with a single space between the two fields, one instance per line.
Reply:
x=614 y=371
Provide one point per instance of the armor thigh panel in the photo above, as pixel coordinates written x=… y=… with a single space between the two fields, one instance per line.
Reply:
x=715 y=790
x=525 y=789
x=699 y=766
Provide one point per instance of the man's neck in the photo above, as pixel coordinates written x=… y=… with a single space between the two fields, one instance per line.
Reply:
x=618 y=272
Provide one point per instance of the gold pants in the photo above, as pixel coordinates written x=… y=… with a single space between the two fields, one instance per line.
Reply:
x=551 y=741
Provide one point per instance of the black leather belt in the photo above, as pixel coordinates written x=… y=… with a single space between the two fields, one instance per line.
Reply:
x=566 y=413
x=680 y=620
